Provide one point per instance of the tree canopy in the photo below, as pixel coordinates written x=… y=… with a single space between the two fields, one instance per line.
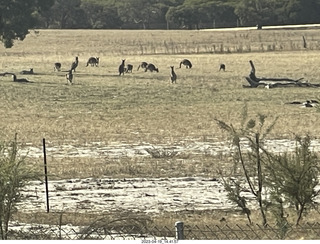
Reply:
x=189 y=14
x=16 y=17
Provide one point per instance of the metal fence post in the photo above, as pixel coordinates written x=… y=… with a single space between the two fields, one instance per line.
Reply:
x=46 y=172
x=179 y=230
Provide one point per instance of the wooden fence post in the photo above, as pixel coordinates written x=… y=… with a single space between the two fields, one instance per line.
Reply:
x=179 y=230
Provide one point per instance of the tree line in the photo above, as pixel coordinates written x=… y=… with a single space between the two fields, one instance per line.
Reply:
x=17 y=17
x=177 y=14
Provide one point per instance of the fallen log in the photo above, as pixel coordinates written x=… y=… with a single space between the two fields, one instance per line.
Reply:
x=255 y=82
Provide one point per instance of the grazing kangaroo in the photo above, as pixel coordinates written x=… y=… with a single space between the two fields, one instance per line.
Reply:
x=186 y=63
x=143 y=65
x=173 y=75
x=122 y=67
x=27 y=72
x=94 y=61
x=151 y=67
x=69 y=76
x=57 y=67
x=74 y=65
x=129 y=68
x=15 y=79
x=222 y=67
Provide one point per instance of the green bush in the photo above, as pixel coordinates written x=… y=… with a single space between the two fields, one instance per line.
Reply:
x=275 y=181
x=14 y=174
x=294 y=176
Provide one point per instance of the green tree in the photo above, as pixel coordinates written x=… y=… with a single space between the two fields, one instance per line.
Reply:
x=300 y=11
x=183 y=16
x=101 y=16
x=14 y=174
x=17 y=17
x=201 y=13
x=67 y=14
x=257 y=12
x=218 y=13
x=141 y=13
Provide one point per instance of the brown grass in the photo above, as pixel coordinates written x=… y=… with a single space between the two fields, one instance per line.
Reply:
x=195 y=221
x=144 y=107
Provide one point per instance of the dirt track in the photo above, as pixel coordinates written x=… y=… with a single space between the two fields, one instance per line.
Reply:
x=310 y=26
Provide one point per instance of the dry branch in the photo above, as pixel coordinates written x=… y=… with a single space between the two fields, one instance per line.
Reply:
x=255 y=82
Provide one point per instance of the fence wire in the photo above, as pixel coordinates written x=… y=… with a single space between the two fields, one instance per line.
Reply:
x=308 y=231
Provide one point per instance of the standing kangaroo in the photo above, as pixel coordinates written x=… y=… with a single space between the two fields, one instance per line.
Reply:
x=173 y=75
x=186 y=63
x=94 y=61
x=69 y=77
x=122 y=67
x=74 y=65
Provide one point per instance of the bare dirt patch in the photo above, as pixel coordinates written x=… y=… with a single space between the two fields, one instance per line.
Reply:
x=117 y=150
x=148 y=195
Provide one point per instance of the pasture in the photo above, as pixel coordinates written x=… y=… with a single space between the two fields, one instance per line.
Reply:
x=142 y=108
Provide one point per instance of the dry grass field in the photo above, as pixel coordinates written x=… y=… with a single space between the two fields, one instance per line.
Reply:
x=144 y=107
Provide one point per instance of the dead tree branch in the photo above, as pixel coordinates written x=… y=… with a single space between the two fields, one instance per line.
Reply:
x=255 y=82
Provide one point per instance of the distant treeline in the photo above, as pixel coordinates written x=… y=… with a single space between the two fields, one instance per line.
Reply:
x=176 y=14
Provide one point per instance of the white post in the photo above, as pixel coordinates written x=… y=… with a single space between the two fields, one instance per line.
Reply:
x=179 y=230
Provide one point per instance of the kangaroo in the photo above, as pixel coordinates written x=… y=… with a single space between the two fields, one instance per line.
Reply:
x=69 y=77
x=122 y=67
x=143 y=65
x=186 y=63
x=57 y=67
x=27 y=72
x=222 y=67
x=15 y=79
x=74 y=65
x=151 y=67
x=93 y=61
x=129 y=68
x=173 y=75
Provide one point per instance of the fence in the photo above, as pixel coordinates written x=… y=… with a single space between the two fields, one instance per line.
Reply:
x=179 y=231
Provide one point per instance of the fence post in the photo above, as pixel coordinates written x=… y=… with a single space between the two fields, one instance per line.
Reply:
x=45 y=172
x=179 y=230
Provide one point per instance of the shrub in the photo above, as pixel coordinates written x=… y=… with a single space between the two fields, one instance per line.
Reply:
x=294 y=176
x=251 y=162
x=14 y=174
x=273 y=180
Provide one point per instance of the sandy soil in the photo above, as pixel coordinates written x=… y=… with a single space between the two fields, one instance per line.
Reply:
x=152 y=195
x=116 y=150
x=138 y=195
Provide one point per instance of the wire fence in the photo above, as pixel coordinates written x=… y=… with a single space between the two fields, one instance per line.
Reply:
x=179 y=231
